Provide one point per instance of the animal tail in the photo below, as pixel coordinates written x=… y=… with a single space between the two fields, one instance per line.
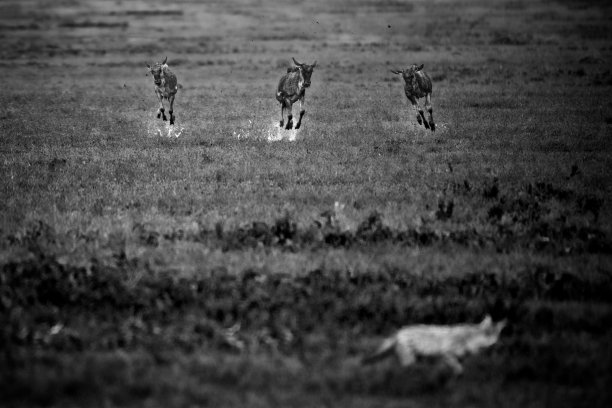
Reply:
x=386 y=349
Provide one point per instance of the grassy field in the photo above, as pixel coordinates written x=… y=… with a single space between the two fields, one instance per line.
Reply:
x=226 y=262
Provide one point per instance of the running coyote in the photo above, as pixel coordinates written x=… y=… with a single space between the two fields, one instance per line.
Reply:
x=418 y=85
x=443 y=343
x=165 y=87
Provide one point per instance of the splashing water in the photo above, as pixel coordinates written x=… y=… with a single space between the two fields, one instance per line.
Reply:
x=164 y=129
x=244 y=133
x=270 y=133
x=276 y=133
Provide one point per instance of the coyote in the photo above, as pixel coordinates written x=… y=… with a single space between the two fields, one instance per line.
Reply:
x=444 y=343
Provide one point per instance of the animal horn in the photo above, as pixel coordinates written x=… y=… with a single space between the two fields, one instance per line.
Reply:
x=314 y=64
x=296 y=63
x=165 y=59
x=396 y=71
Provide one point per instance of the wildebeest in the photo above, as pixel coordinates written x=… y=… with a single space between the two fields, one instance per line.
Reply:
x=418 y=85
x=291 y=87
x=165 y=87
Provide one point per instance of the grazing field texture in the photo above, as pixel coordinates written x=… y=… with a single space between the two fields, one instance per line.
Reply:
x=226 y=262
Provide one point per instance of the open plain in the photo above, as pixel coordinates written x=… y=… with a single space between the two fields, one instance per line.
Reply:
x=226 y=262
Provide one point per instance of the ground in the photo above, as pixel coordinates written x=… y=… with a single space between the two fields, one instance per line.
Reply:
x=226 y=262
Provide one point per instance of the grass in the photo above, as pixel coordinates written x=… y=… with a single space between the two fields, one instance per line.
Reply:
x=127 y=256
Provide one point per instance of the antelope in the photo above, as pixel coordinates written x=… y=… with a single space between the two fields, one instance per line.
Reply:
x=291 y=87
x=165 y=87
x=418 y=85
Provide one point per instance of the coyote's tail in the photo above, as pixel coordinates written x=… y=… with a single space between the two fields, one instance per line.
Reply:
x=386 y=349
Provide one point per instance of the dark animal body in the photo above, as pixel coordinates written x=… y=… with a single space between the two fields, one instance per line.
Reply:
x=166 y=86
x=418 y=85
x=291 y=88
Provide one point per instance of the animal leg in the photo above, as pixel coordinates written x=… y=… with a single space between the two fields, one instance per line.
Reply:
x=405 y=356
x=429 y=108
x=453 y=363
x=302 y=111
x=416 y=108
x=282 y=121
x=422 y=115
x=289 y=116
x=170 y=111
x=160 y=111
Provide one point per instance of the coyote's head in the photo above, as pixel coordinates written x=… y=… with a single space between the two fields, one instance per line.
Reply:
x=487 y=334
x=488 y=325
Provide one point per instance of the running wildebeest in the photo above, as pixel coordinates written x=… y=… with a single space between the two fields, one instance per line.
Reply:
x=418 y=85
x=291 y=87
x=165 y=87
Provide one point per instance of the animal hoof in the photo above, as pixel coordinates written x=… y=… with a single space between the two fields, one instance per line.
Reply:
x=172 y=121
x=282 y=123
x=426 y=124
x=433 y=127
x=164 y=118
x=419 y=120
x=158 y=115
x=297 y=126
x=289 y=125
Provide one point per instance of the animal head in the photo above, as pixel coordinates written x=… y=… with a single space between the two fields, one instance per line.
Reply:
x=157 y=69
x=485 y=336
x=305 y=71
x=489 y=331
x=409 y=72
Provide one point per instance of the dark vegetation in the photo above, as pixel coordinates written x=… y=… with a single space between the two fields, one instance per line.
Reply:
x=49 y=308
x=516 y=222
x=558 y=329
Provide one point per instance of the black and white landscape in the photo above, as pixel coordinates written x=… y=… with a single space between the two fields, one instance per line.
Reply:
x=225 y=261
